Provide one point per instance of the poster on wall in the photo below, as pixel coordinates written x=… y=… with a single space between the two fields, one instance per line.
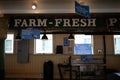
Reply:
x=23 y=51
x=66 y=42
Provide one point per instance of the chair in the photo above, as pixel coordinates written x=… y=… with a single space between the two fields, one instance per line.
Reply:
x=67 y=68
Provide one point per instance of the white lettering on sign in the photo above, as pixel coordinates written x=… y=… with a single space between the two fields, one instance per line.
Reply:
x=30 y=22
x=83 y=22
x=112 y=21
x=66 y=22
x=17 y=22
x=42 y=22
x=24 y=23
x=91 y=22
x=76 y=22
x=58 y=22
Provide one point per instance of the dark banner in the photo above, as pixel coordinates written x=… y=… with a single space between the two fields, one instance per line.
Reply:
x=96 y=23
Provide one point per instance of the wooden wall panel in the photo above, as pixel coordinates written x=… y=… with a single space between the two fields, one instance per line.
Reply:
x=35 y=65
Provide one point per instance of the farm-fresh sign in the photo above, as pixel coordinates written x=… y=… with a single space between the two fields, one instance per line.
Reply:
x=99 y=22
x=57 y=22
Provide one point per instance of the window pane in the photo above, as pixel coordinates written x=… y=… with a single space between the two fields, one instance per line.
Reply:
x=9 y=43
x=83 y=44
x=44 y=46
x=117 y=44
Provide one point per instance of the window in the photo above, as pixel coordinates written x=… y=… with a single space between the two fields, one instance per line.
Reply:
x=83 y=44
x=44 y=46
x=117 y=44
x=9 y=42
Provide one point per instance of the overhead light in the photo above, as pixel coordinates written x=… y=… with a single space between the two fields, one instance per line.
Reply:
x=44 y=37
x=18 y=37
x=34 y=6
x=71 y=37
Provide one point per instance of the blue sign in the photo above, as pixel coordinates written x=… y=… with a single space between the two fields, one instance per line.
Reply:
x=30 y=34
x=83 y=49
x=66 y=42
x=86 y=58
x=82 y=9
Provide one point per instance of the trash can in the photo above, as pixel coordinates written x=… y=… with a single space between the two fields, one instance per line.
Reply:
x=48 y=70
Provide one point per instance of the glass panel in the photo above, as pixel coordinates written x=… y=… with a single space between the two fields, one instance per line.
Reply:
x=117 y=44
x=83 y=44
x=9 y=43
x=44 y=46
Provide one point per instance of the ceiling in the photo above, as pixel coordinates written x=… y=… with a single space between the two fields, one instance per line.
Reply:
x=56 y=6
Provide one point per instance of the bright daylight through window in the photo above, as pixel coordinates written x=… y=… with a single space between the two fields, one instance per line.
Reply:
x=44 y=46
x=9 y=42
x=83 y=44
x=117 y=44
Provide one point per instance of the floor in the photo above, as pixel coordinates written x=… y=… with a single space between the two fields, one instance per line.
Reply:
x=42 y=79
x=22 y=79
x=31 y=79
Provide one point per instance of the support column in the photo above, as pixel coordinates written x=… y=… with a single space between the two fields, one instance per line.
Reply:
x=104 y=57
x=3 y=35
x=2 y=60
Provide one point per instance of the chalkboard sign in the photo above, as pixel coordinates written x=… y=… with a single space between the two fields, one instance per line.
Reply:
x=59 y=49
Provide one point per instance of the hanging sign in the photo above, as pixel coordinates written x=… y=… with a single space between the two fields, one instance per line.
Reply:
x=97 y=23
x=56 y=22
x=30 y=34
x=82 y=9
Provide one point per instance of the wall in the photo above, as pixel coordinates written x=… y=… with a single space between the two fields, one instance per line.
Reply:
x=35 y=66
